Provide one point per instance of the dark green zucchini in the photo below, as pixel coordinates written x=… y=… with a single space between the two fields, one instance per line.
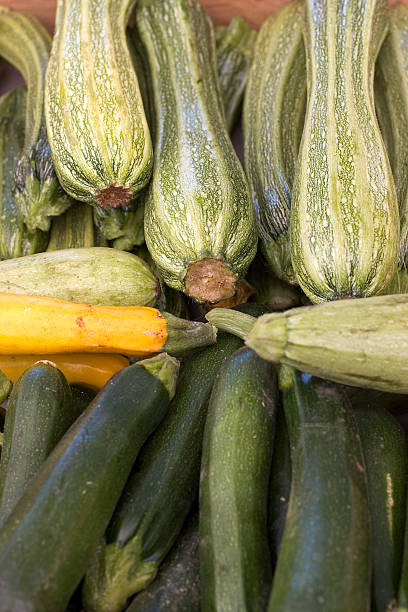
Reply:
x=63 y=514
x=177 y=586
x=385 y=454
x=237 y=451
x=81 y=397
x=165 y=476
x=325 y=558
x=39 y=412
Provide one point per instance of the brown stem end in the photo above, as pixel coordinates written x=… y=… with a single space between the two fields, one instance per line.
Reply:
x=113 y=196
x=209 y=280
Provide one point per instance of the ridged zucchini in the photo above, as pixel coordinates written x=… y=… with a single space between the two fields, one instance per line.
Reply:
x=199 y=220
x=26 y=44
x=274 y=110
x=96 y=124
x=75 y=229
x=125 y=228
x=95 y=275
x=39 y=411
x=325 y=556
x=77 y=488
x=15 y=239
x=344 y=227
x=237 y=451
x=385 y=454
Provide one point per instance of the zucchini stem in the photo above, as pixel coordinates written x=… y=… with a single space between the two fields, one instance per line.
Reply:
x=232 y=321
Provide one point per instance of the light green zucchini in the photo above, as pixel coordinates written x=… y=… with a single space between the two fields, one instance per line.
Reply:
x=75 y=229
x=15 y=239
x=95 y=275
x=274 y=110
x=96 y=124
x=123 y=227
x=26 y=44
x=344 y=227
x=199 y=220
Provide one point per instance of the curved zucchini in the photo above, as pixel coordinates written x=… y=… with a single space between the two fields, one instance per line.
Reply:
x=15 y=239
x=39 y=412
x=26 y=44
x=237 y=451
x=344 y=227
x=385 y=454
x=274 y=110
x=199 y=220
x=96 y=124
x=75 y=229
x=325 y=558
x=77 y=488
x=95 y=275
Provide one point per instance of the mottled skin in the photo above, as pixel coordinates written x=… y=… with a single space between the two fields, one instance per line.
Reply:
x=345 y=223
x=199 y=205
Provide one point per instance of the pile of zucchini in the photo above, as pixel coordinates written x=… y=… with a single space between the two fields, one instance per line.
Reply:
x=153 y=459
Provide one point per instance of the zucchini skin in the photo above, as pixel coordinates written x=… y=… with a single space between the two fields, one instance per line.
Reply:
x=199 y=220
x=325 y=558
x=274 y=111
x=76 y=490
x=344 y=227
x=237 y=451
x=385 y=454
x=75 y=229
x=96 y=124
x=39 y=412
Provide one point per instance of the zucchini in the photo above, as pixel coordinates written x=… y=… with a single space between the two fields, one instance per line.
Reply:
x=75 y=229
x=15 y=239
x=26 y=44
x=234 y=56
x=344 y=228
x=199 y=220
x=123 y=227
x=77 y=489
x=385 y=454
x=39 y=412
x=362 y=343
x=95 y=275
x=96 y=124
x=325 y=558
x=274 y=110
x=269 y=289
x=234 y=554
x=166 y=475
x=177 y=586
x=5 y=387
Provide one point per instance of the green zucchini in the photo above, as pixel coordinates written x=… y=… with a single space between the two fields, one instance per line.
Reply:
x=199 y=220
x=81 y=397
x=26 y=44
x=234 y=554
x=274 y=110
x=234 y=56
x=344 y=227
x=39 y=412
x=15 y=239
x=269 y=289
x=385 y=454
x=96 y=124
x=5 y=387
x=166 y=475
x=123 y=227
x=362 y=343
x=60 y=519
x=96 y=275
x=75 y=229
x=325 y=558
x=177 y=586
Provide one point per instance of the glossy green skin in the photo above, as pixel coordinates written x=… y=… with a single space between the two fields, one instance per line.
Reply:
x=26 y=44
x=274 y=111
x=15 y=239
x=325 y=559
x=38 y=413
x=199 y=204
x=344 y=228
x=237 y=452
x=385 y=454
x=61 y=518
x=94 y=275
x=96 y=124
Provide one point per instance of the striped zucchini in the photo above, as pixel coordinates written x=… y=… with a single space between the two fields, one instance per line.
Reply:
x=15 y=239
x=75 y=229
x=344 y=226
x=26 y=44
x=123 y=227
x=274 y=110
x=199 y=220
x=96 y=124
